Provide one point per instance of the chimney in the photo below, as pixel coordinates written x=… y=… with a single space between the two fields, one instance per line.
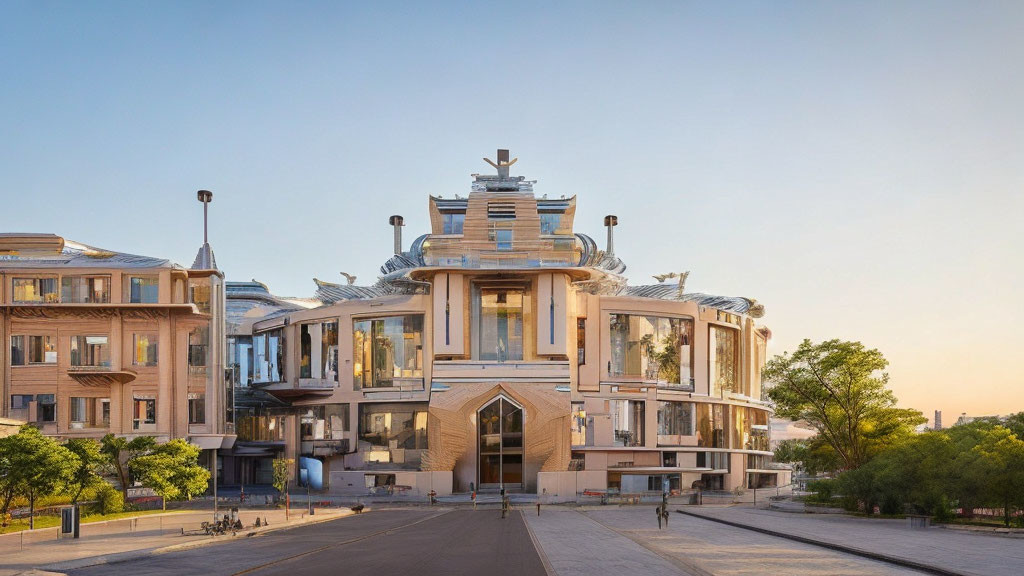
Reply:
x=611 y=221
x=503 y=164
x=397 y=221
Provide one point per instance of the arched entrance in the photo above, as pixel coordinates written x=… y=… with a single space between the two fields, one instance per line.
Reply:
x=501 y=444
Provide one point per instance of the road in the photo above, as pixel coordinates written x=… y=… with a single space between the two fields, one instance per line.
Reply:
x=420 y=541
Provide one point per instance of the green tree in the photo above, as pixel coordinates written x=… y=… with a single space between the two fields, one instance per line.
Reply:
x=1015 y=423
x=812 y=455
x=282 y=474
x=85 y=475
x=840 y=390
x=172 y=470
x=1001 y=464
x=32 y=466
x=120 y=452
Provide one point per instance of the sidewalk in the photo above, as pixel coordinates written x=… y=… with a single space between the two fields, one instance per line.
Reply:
x=949 y=550
x=105 y=542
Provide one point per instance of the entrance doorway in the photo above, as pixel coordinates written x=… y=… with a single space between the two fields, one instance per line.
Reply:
x=501 y=444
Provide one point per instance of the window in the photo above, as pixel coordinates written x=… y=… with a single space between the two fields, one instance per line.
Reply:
x=199 y=293
x=83 y=412
x=503 y=240
x=85 y=289
x=144 y=415
x=652 y=348
x=46 y=408
x=145 y=349
x=749 y=428
x=628 y=422
x=196 y=408
x=550 y=222
x=578 y=425
x=675 y=419
x=105 y=412
x=21 y=401
x=42 y=290
x=268 y=356
x=198 y=349
x=387 y=348
x=501 y=443
x=393 y=433
x=453 y=222
x=143 y=289
x=711 y=426
x=324 y=422
x=318 y=345
x=33 y=350
x=240 y=359
x=722 y=358
x=581 y=341
x=500 y=332
x=90 y=351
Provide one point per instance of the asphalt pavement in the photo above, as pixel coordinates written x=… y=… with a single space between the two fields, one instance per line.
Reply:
x=421 y=541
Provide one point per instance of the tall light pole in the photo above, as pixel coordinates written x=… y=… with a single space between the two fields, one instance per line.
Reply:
x=205 y=196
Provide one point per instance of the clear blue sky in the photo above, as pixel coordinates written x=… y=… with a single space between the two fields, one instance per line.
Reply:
x=857 y=167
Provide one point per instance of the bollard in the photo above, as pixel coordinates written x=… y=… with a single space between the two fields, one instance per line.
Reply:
x=538 y=508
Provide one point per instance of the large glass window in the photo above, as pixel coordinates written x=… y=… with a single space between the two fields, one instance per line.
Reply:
x=268 y=356
x=42 y=290
x=550 y=222
x=653 y=349
x=628 y=422
x=387 y=348
x=393 y=433
x=578 y=425
x=723 y=359
x=503 y=239
x=85 y=289
x=143 y=289
x=581 y=341
x=711 y=426
x=33 y=350
x=144 y=349
x=318 y=345
x=749 y=428
x=198 y=350
x=501 y=443
x=196 y=408
x=675 y=420
x=240 y=358
x=89 y=412
x=46 y=407
x=90 y=351
x=500 y=324
x=144 y=413
x=453 y=222
x=199 y=293
x=324 y=422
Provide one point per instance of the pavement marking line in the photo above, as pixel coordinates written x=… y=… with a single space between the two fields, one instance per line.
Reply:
x=548 y=568
x=688 y=567
x=343 y=543
x=895 y=560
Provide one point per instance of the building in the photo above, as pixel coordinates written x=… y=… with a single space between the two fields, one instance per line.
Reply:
x=102 y=342
x=937 y=425
x=501 y=349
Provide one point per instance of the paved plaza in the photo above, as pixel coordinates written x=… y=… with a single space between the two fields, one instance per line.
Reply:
x=562 y=541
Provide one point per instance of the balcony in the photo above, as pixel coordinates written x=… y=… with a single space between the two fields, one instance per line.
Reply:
x=324 y=447
x=533 y=253
x=99 y=376
x=554 y=371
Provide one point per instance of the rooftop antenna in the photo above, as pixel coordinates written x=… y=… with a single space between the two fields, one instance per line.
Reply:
x=204 y=258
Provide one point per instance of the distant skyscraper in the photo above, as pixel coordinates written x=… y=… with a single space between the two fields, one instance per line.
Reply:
x=938 y=420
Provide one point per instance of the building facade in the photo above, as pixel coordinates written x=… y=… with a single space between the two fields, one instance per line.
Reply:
x=100 y=342
x=501 y=349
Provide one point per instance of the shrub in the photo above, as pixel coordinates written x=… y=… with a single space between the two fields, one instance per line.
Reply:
x=109 y=500
x=822 y=491
x=944 y=510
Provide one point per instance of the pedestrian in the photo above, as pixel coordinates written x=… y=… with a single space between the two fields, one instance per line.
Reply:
x=664 y=514
x=658 y=512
